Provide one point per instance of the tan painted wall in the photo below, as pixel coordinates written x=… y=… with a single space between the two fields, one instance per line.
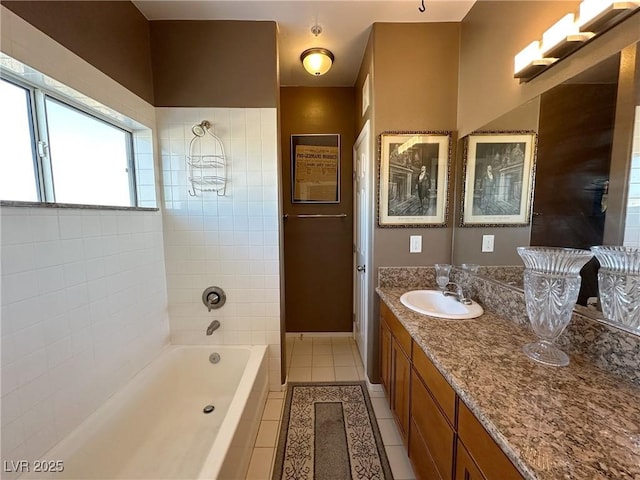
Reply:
x=214 y=63
x=415 y=77
x=494 y=31
x=467 y=241
x=414 y=74
x=112 y=36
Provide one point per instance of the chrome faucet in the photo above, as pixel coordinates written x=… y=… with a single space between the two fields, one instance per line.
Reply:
x=213 y=326
x=458 y=294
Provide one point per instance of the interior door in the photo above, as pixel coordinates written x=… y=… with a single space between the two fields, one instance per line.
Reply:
x=362 y=219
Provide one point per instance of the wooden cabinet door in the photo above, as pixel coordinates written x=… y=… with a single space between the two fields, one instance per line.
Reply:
x=423 y=464
x=401 y=378
x=434 y=429
x=385 y=358
x=487 y=455
x=466 y=469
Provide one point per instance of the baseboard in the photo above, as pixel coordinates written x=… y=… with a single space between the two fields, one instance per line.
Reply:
x=319 y=334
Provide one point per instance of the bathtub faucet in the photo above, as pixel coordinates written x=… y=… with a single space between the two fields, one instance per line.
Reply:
x=213 y=326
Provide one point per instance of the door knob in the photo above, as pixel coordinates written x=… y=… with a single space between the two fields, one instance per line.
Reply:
x=361 y=268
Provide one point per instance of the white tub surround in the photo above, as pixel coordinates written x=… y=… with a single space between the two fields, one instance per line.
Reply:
x=229 y=241
x=83 y=310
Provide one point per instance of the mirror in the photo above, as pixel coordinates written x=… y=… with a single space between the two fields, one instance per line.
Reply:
x=576 y=162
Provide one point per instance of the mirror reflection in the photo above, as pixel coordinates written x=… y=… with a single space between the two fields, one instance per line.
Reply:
x=579 y=199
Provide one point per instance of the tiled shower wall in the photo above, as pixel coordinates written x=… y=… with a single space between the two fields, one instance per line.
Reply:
x=84 y=308
x=229 y=241
x=632 y=225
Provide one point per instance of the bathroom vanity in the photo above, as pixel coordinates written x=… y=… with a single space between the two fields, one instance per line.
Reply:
x=470 y=405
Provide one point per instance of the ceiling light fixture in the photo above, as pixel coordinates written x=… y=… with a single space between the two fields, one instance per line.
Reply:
x=317 y=61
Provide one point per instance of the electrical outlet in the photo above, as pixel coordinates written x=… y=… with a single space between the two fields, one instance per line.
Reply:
x=487 y=243
x=415 y=244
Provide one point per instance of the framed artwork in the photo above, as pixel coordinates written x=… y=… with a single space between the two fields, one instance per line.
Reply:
x=414 y=178
x=498 y=179
x=315 y=168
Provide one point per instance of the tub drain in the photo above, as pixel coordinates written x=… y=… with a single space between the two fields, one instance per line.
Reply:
x=208 y=409
x=214 y=357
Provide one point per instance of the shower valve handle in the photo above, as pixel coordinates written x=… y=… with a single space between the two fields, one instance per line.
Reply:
x=212 y=299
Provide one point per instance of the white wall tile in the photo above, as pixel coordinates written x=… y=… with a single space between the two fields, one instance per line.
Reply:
x=56 y=285
x=18 y=258
x=220 y=240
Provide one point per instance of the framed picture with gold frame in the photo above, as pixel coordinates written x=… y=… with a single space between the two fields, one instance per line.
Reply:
x=315 y=168
x=498 y=179
x=414 y=179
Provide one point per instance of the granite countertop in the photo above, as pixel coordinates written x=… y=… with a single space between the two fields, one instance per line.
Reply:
x=576 y=422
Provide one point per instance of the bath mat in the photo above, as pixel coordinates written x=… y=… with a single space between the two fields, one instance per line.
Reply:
x=329 y=432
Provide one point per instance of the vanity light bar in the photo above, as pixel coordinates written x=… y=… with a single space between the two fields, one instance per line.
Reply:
x=597 y=15
x=563 y=38
x=567 y=35
x=529 y=61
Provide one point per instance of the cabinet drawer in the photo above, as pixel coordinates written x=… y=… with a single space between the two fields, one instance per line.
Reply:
x=466 y=469
x=420 y=456
x=486 y=453
x=397 y=330
x=435 y=382
x=437 y=434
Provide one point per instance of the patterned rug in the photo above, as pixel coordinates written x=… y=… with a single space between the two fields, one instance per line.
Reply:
x=329 y=432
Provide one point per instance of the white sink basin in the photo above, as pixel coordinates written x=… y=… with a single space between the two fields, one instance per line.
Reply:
x=435 y=304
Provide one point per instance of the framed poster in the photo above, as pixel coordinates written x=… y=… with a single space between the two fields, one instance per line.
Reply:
x=315 y=168
x=498 y=179
x=414 y=178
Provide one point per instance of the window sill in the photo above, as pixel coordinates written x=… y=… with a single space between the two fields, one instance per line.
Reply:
x=13 y=203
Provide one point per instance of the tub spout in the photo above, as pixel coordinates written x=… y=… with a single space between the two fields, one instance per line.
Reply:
x=213 y=326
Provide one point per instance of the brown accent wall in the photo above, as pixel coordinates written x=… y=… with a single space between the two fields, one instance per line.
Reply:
x=574 y=152
x=494 y=31
x=214 y=63
x=415 y=89
x=113 y=36
x=318 y=253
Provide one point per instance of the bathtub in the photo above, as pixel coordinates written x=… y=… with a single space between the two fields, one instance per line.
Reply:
x=155 y=428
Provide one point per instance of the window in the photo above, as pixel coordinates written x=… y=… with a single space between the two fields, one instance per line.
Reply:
x=56 y=152
x=17 y=155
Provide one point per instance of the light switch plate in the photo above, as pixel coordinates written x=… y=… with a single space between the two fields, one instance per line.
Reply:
x=487 y=243
x=415 y=244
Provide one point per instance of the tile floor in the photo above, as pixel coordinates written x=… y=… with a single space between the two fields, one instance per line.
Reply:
x=324 y=359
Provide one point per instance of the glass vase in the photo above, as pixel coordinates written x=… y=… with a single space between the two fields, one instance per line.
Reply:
x=619 y=284
x=551 y=287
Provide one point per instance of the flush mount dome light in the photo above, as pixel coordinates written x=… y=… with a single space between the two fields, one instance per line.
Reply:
x=317 y=61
